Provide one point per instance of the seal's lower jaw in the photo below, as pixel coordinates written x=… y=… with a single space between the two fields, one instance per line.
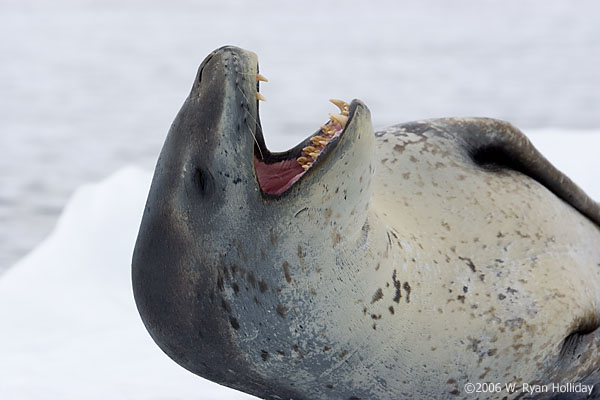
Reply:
x=277 y=172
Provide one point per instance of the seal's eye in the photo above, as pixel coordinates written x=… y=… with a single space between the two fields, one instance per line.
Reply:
x=203 y=181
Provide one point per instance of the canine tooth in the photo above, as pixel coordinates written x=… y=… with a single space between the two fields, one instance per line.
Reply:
x=303 y=160
x=261 y=78
x=315 y=154
x=317 y=139
x=309 y=149
x=341 y=104
x=260 y=97
x=339 y=118
x=323 y=143
x=306 y=166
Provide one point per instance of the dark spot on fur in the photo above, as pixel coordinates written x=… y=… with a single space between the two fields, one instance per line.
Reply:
x=251 y=279
x=469 y=262
x=281 y=310
x=300 y=253
x=515 y=322
x=235 y=287
x=286 y=271
x=392 y=311
x=461 y=298
x=273 y=237
x=336 y=237
x=399 y=148
x=343 y=354
x=474 y=345
x=377 y=296
x=234 y=323
x=329 y=386
x=465 y=289
x=501 y=296
x=262 y=286
x=326 y=348
x=397 y=285
x=375 y=316
x=451 y=381
x=407 y=289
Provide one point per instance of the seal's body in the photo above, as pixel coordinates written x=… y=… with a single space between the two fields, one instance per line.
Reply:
x=397 y=265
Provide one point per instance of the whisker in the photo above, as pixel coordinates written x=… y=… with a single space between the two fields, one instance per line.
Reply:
x=255 y=123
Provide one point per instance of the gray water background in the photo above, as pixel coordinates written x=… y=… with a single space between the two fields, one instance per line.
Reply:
x=87 y=87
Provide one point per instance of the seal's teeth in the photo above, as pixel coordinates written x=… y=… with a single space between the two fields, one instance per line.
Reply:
x=319 y=140
x=341 y=104
x=309 y=149
x=327 y=129
x=306 y=166
x=302 y=160
x=261 y=78
x=339 y=118
x=260 y=97
x=315 y=154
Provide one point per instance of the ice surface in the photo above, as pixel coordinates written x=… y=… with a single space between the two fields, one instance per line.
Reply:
x=69 y=327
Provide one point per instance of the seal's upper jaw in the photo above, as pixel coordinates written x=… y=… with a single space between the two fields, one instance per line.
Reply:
x=226 y=128
x=278 y=172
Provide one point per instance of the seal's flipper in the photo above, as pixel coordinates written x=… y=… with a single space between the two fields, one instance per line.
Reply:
x=497 y=144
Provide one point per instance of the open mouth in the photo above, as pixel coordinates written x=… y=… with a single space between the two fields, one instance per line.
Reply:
x=277 y=172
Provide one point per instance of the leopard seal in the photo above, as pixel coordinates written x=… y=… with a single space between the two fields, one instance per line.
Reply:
x=358 y=265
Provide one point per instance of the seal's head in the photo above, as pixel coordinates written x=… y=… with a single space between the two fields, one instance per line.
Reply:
x=222 y=204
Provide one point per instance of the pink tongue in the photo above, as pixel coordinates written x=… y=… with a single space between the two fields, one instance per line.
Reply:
x=276 y=178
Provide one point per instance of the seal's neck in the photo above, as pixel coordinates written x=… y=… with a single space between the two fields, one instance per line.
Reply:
x=330 y=208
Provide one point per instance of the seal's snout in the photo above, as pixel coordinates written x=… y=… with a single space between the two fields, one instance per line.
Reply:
x=229 y=62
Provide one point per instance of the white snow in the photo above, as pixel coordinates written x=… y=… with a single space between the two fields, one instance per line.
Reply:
x=69 y=327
